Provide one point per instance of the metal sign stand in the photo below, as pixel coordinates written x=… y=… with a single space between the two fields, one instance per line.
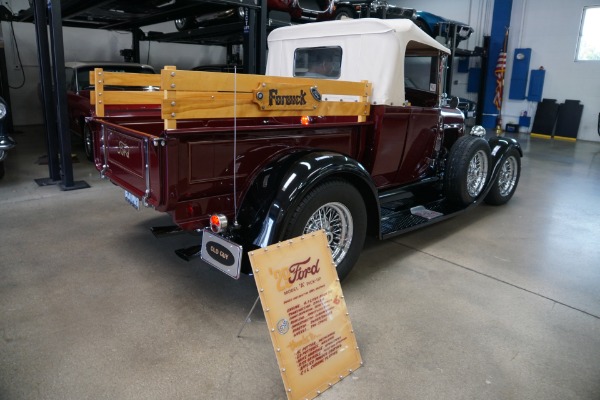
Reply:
x=247 y=319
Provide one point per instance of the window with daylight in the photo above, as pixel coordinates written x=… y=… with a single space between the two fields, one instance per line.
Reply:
x=588 y=44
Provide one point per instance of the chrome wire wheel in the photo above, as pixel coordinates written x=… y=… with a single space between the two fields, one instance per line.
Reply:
x=477 y=173
x=338 y=208
x=508 y=176
x=336 y=220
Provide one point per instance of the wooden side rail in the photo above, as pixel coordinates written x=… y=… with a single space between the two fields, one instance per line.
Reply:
x=101 y=96
x=197 y=94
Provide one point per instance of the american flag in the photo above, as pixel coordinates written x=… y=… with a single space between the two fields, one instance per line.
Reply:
x=499 y=72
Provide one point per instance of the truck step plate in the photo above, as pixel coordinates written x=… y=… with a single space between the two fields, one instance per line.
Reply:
x=394 y=222
x=221 y=253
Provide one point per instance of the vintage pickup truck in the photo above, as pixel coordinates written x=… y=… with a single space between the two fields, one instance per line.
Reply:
x=348 y=132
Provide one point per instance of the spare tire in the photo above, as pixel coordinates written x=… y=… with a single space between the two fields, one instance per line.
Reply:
x=467 y=170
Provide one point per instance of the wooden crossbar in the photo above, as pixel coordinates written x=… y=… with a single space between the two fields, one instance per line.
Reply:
x=101 y=95
x=198 y=94
x=124 y=97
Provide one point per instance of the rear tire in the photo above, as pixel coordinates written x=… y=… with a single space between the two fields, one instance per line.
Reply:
x=508 y=178
x=338 y=208
x=467 y=170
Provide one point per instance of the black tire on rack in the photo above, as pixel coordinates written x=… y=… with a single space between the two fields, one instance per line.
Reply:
x=184 y=23
x=344 y=12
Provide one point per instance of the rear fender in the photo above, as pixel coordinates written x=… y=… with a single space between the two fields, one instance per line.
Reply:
x=499 y=147
x=278 y=188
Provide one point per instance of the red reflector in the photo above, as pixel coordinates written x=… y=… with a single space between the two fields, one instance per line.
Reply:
x=218 y=223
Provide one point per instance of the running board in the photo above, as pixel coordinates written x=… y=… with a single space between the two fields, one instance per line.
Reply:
x=395 y=222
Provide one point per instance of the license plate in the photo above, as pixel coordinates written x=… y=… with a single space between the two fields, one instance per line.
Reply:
x=222 y=254
x=131 y=199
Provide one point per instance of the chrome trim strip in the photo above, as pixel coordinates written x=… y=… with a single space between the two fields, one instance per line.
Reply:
x=147 y=172
x=104 y=152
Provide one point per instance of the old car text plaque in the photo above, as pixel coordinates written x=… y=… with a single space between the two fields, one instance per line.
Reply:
x=306 y=314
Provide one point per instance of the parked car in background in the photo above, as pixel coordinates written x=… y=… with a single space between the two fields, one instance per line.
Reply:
x=469 y=110
x=299 y=11
x=436 y=26
x=468 y=107
x=6 y=142
x=371 y=8
x=78 y=95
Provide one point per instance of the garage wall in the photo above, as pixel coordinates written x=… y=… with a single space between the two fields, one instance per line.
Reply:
x=476 y=13
x=87 y=45
x=553 y=47
x=79 y=45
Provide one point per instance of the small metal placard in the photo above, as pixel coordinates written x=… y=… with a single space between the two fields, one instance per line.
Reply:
x=221 y=253
x=280 y=96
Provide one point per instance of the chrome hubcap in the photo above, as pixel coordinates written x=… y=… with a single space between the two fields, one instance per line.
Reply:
x=335 y=219
x=477 y=173
x=508 y=176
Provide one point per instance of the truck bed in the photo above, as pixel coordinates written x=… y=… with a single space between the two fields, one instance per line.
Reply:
x=189 y=171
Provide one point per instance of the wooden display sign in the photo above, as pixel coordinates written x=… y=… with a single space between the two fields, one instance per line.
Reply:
x=306 y=314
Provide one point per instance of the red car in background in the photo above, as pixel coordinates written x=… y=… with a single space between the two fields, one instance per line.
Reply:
x=78 y=96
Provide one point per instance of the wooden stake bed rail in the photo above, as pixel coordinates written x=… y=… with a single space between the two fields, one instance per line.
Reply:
x=196 y=94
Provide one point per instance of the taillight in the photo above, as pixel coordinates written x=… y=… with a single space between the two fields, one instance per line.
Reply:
x=306 y=120
x=218 y=223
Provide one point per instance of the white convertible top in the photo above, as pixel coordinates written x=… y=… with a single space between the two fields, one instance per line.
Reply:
x=372 y=49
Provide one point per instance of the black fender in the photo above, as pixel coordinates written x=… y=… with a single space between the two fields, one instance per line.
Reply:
x=282 y=184
x=499 y=146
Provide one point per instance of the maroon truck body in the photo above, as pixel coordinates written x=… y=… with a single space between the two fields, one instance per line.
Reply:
x=191 y=177
x=398 y=156
x=403 y=161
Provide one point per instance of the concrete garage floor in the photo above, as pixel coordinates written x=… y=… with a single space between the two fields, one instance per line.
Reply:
x=499 y=303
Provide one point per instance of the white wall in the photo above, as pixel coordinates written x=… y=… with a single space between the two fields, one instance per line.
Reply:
x=87 y=45
x=79 y=45
x=550 y=28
